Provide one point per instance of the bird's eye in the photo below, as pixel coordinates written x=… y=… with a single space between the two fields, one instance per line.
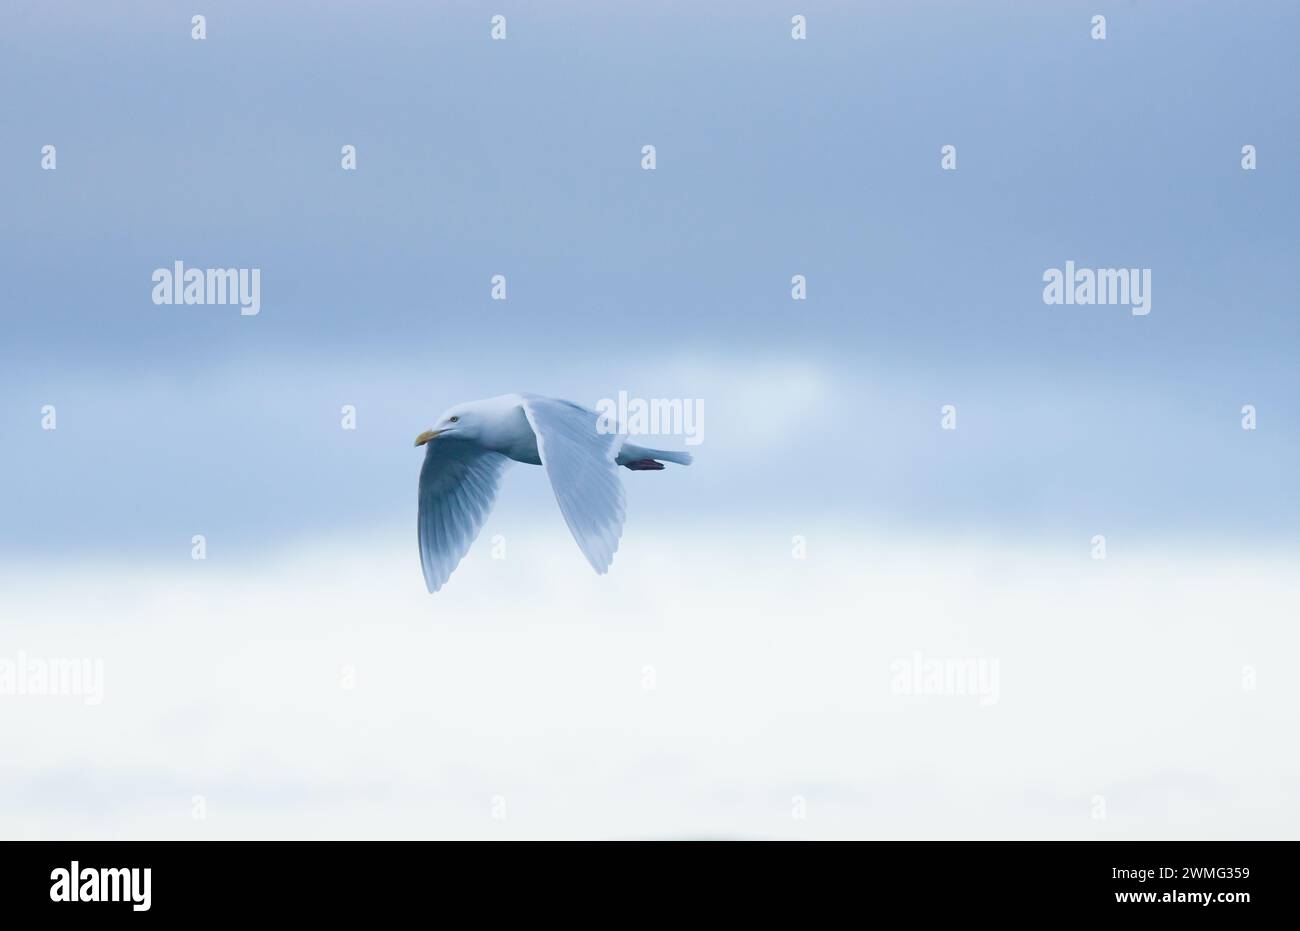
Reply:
x=455 y=419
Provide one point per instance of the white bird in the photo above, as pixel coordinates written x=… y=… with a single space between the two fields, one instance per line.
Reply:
x=470 y=447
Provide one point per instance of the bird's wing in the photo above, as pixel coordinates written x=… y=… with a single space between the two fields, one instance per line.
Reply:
x=579 y=461
x=458 y=484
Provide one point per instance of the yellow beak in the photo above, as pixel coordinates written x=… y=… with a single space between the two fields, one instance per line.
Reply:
x=425 y=437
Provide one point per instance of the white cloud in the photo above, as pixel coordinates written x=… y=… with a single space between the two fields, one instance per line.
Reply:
x=524 y=679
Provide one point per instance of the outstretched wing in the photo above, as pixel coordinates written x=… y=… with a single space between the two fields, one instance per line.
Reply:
x=458 y=484
x=579 y=461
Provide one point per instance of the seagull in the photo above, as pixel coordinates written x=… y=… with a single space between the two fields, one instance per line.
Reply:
x=470 y=447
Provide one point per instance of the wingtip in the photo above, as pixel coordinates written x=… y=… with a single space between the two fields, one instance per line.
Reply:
x=431 y=583
x=596 y=565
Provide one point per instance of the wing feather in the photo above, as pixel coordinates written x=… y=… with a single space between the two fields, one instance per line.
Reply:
x=458 y=484
x=579 y=461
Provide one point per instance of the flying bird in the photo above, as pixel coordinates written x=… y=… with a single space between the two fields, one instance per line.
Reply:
x=466 y=452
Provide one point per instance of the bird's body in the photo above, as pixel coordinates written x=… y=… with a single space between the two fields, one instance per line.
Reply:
x=466 y=453
x=504 y=428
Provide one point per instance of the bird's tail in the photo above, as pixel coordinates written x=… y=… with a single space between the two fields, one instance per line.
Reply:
x=630 y=454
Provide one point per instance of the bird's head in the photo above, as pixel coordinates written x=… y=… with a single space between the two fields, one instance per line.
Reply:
x=457 y=422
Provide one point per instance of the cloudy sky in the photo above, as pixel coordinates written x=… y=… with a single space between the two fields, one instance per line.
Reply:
x=300 y=680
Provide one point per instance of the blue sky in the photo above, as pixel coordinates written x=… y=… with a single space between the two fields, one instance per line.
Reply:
x=775 y=158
